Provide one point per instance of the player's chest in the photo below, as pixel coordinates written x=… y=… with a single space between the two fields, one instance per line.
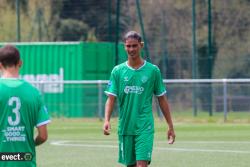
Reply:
x=136 y=78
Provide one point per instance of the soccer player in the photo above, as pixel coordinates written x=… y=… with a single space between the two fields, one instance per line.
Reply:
x=21 y=109
x=133 y=83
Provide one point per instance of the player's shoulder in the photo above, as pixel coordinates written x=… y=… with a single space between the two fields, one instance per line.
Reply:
x=152 y=66
x=30 y=87
x=9 y=83
x=13 y=82
x=119 y=67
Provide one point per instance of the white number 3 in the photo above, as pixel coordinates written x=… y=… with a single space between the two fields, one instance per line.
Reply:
x=16 y=110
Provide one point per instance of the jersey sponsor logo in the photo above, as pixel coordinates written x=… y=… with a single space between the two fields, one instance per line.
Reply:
x=14 y=133
x=133 y=89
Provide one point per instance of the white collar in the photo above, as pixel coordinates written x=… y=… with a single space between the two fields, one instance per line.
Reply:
x=136 y=68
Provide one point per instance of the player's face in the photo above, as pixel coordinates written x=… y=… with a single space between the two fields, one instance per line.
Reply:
x=133 y=47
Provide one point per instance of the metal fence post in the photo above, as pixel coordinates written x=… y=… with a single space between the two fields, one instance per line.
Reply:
x=18 y=27
x=100 y=99
x=194 y=58
x=225 y=99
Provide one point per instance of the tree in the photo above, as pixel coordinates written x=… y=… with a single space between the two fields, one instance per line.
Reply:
x=95 y=14
x=72 y=30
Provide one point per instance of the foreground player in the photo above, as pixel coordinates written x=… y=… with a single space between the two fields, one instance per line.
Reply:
x=21 y=109
x=133 y=83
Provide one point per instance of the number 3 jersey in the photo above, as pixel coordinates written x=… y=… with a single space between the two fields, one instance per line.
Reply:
x=134 y=89
x=21 y=109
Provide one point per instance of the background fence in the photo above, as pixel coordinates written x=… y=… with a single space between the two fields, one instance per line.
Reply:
x=87 y=99
x=187 y=39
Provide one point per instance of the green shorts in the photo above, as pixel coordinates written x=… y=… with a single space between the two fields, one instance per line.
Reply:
x=134 y=148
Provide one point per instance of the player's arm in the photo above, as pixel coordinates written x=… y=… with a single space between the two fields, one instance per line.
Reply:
x=163 y=102
x=42 y=135
x=109 y=106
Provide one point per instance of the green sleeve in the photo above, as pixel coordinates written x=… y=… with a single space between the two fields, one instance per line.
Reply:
x=43 y=115
x=159 y=87
x=112 y=87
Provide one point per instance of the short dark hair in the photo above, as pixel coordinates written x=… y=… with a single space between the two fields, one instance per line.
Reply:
x=133 y=35
x=9 y=55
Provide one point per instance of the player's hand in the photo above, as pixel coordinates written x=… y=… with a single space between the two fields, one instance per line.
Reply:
x=106 y=128
x=171 y=136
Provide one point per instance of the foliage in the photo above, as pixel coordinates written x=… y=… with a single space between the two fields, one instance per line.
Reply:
x=34 y=21
x=95 y=16
x=167 y=25
x=7 y=27
x=77 y=30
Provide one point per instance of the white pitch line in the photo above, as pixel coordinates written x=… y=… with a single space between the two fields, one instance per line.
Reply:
x=69 y=143
x=160 y=142
x=202 y=150
x=208 y=142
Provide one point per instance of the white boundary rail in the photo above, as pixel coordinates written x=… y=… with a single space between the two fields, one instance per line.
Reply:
x=224 y=82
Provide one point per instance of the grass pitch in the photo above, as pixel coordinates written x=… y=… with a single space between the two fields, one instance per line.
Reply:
x=200 y=142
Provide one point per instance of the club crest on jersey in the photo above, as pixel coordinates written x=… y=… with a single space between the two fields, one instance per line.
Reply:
x=125 y=79
x=144 y=79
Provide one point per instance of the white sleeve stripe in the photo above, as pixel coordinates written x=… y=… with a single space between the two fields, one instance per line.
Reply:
x=43 y=123
x=109 y=93
x=162 y=93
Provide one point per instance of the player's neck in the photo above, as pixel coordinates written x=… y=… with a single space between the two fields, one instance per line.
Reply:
x=10 y=72
x=135 y=63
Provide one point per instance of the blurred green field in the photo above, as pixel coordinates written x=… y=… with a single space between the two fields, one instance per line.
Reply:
x=201 y=142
